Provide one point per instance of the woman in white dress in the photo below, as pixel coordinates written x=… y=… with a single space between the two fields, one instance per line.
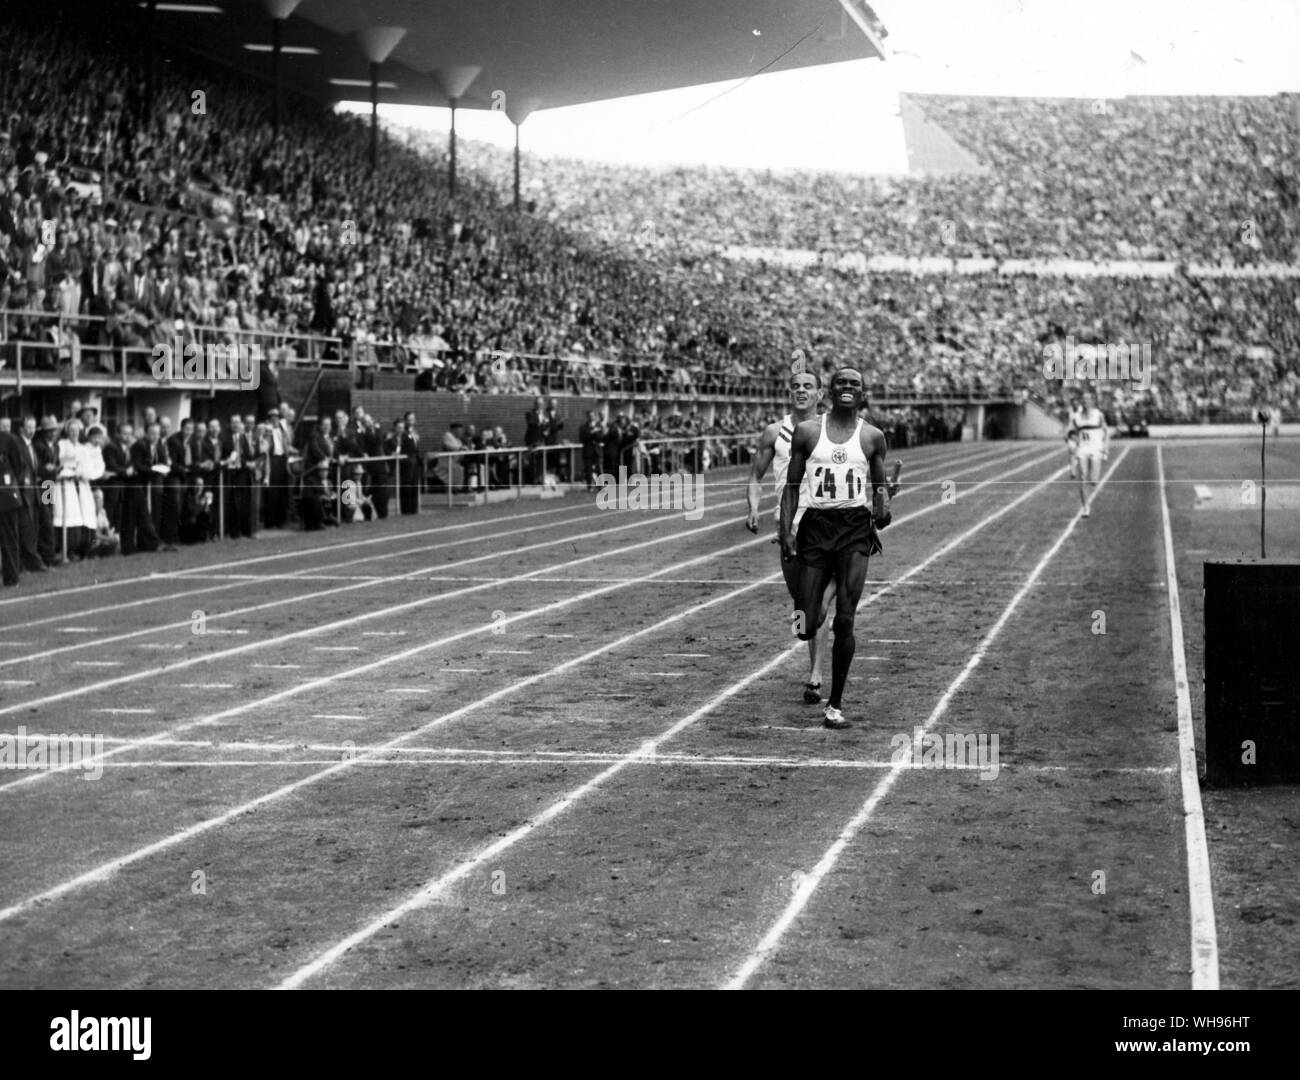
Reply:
x=74 y=500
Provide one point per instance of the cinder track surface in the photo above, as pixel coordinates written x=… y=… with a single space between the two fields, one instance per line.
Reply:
x=541 y=745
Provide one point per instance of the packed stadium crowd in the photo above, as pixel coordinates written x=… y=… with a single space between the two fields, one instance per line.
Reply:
x=1064 y=178
x=131 y=214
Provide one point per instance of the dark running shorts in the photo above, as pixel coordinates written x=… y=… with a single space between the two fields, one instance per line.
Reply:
x=826 y=536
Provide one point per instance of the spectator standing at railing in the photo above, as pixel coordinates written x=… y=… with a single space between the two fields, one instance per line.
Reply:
x=237 y=458
x=182 y=453
x=47 y=468
x=591 y=435
x=412 y=467
x=74 y=502
x=210 y=468
x=629 y=436
x=554 y=426
x=29 y=483
x=259 y=440
x=317 y=452
x=117 y=466
x=448 y=471
x=499 y=470
x=346 y=447
x=11 y=509
x=151 y=464
x=378 y=472
x=277 y=480
x=538 y=422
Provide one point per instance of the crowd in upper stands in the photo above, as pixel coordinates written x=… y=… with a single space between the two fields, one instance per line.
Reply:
x=131 y=213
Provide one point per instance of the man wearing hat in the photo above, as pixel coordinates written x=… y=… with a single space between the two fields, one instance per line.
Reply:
x=277 y=494
x=89 y=417
x=45 y=446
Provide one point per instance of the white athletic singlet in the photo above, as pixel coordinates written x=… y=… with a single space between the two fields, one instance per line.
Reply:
x=1091 y=430
x=838 y=474
x=781 y=468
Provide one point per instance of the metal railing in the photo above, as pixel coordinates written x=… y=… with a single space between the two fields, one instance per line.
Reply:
x=654 y=454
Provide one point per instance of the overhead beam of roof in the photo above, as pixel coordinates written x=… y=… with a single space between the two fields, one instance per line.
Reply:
x=563 y=52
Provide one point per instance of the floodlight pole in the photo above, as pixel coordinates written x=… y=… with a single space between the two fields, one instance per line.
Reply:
x=451 y=162
x=277 y=42
x=516 y=166
x=374 y=115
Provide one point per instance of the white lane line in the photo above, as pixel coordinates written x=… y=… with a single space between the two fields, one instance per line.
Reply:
x=771 y=941
x=928 y=463
x=558 y=635
x=97 y=663
x=186 y=624
x=241 y=580
x=648 y=749
x=16 y=682
x=124 y=712
x=376 y=754
x=37 y=777
x=657 y=760
x=156 y=645
x=692 y=655
x=106 y=871
x=434 y=888
x=889 y=641
x=293 y=553
x=509 y=652
x=336 y=648
x=205 y=686
x=405 y=690
x=1205 y=942
x=336 y=716
x=14 y=644
x=77 y=630
x=464 y=670
x=383 y=633
x=661 y=674
x=278 y=667
x=197 y=572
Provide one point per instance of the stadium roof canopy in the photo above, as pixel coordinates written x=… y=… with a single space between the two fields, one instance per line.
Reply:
x=552 y=52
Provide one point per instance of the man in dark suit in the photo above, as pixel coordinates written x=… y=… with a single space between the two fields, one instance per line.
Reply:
x=11 y=508
x=316 y=455
x=379 y=475
x=145 y=490
x=182 y=453
x=412 y=467
x=117 y=474
x=29 y=524
x=237 y=453
x=277 y=490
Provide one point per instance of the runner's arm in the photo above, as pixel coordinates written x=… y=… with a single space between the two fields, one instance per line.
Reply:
x=757 y=470
x=875 y=447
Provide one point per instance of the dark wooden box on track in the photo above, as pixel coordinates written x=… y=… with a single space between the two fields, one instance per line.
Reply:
x=1252 y=672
